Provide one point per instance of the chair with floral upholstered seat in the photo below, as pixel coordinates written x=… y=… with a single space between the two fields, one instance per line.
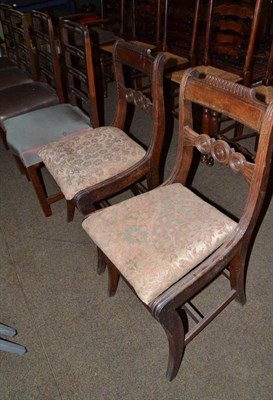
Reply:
x=105 y=161
x=169 y=244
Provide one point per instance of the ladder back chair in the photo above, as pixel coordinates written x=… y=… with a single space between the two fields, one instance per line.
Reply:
x=148 y=20
x=28 y=133
x=8 y=54
x=180 y=29
x=179 y=43
x=264 y=92
x=18 y=66
x=36 y=94
x=230 y=36
x=169 y=244
x=105 y=161
x=104 y=30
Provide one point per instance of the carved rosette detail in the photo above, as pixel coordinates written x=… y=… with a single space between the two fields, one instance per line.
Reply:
x=237 y=161
x=220 y=151
x=138 y=99
x=203 y=144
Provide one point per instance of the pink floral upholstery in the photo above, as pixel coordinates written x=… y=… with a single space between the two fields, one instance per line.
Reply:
x=156 y=238
x=90 y=158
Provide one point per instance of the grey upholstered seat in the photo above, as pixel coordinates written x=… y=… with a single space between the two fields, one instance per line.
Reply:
x=27 y=133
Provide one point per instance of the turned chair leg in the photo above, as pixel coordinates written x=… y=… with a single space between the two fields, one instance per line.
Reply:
x=238 y=131
x=172 y=323
x=206 y=121
x=214 y=123
x=35 y=175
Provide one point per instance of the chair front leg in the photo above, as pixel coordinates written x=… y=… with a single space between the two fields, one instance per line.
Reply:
x=101 y=262
x=4 y=138
x=173 y=325
x=113 y=279
x=21 y=168
x=238 y=268
x=35 y=175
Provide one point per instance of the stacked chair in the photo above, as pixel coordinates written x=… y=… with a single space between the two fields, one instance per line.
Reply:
x=17 y=65
x=35 y=94
x=28 y=132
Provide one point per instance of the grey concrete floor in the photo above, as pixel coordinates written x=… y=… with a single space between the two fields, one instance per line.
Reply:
x=83 y=345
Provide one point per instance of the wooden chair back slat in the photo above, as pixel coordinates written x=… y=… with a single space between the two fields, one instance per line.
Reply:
x=78 y=66
x=45 y=46
x=22 y=42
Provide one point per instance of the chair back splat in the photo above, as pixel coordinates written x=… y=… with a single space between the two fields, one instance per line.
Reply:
x=80 y=80
x=169 y=244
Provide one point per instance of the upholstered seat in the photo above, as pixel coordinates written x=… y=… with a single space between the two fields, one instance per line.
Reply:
x=28 y=133
x=90 y=158
x=11 y=77
x=36 y=95
x=156 y=238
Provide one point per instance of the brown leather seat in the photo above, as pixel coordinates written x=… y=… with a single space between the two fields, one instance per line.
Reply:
x=36 y=95
x=10 y=77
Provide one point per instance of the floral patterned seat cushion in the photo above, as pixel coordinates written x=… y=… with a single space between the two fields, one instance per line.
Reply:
x=156 y=238
x=91 y=158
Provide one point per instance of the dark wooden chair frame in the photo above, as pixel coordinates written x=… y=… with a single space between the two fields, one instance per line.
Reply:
x=75 y=95
x=135 y=58
x=170 y=308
